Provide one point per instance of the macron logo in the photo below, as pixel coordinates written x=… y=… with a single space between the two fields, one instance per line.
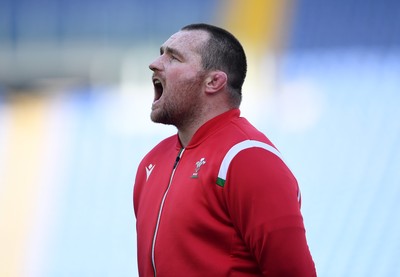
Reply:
x=149 y=169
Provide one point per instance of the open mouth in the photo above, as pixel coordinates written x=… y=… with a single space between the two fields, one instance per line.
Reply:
x=158 y=88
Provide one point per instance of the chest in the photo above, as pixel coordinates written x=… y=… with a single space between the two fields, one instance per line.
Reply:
x=187 y=193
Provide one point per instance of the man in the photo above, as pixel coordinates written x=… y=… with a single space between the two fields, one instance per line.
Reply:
x=216 y=199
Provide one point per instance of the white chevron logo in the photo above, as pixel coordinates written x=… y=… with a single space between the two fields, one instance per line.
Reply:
x=149 y=169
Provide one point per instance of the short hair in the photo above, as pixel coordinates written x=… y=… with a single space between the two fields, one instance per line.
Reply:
x=224 y=52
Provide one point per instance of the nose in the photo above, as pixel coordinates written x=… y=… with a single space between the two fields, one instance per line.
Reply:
x=155 y=65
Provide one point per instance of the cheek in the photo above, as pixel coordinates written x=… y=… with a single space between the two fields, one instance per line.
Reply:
x=175 y=83
x=181 y=81
x=182 y=72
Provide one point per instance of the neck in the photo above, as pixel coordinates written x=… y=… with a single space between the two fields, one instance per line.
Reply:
x=186 y=133
x=210 y=108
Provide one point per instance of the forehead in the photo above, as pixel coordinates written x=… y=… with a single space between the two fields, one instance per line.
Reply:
x=186 y=40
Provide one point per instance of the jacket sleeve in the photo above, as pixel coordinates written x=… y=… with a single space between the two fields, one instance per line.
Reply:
x=261 y=195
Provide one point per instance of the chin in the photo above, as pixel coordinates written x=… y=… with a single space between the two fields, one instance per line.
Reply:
x=154 y=117
x=158 y=118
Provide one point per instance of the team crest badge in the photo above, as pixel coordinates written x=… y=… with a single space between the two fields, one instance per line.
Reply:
x=199 y=164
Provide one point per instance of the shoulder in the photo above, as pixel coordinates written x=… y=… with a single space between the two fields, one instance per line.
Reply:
x=162 y=153
x=261 y=152
x=159 y=153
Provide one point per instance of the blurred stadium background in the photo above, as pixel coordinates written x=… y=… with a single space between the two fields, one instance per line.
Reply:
x=75 y=96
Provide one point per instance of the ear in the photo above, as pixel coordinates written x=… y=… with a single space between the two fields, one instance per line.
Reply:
x=215 y=81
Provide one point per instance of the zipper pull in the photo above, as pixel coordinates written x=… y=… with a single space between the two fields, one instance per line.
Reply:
x=176 y=161
x=178 y=158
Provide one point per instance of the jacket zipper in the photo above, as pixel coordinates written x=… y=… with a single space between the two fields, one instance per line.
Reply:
x=160 y=211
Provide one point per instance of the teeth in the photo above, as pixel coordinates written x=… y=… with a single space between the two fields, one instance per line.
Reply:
x=157 y=82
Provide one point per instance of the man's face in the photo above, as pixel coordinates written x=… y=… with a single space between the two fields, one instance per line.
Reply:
x=178 y=79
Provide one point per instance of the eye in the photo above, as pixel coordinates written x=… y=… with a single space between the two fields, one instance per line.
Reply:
x=173 y=58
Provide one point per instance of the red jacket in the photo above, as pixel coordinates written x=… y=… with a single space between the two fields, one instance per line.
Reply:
x=226 y=205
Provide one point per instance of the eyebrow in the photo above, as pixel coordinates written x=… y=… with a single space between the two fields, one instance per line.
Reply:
x=169 y=50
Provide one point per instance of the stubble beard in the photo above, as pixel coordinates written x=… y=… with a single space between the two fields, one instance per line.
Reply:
x=180 y=111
